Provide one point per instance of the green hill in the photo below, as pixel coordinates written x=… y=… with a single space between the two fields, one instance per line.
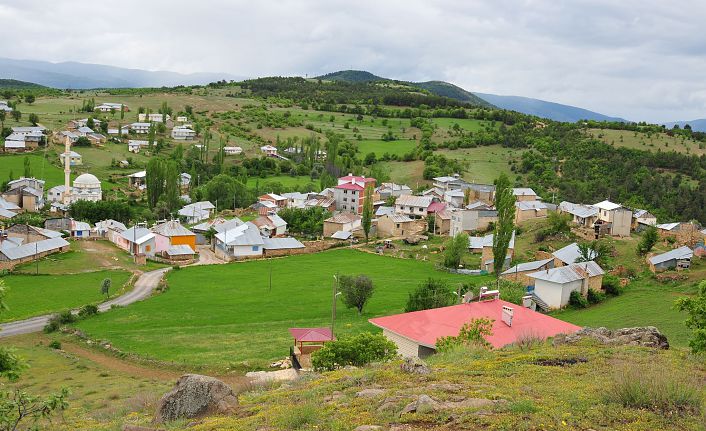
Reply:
x=437 y=88
x=15 y=84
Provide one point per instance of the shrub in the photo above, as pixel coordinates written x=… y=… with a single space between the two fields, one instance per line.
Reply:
x=57 y=320
x=595 y=296
x=472 y=333
x=654 y=389
x=611 y=285
x=55 y=344
x=577 y=300
x=87 y=310
x=430 y=294
x=358 y=350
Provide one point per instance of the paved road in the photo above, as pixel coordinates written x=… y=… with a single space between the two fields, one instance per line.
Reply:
x=143 y=288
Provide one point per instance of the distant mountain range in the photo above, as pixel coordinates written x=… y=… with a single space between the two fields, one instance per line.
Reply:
x=75 y=75
x=526 y=105
x=698 y=125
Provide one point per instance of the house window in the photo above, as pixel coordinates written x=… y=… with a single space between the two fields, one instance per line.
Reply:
x=148 y=248
x=255 y=248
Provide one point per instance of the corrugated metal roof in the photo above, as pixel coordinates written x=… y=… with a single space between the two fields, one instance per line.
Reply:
x=80 y=226
x=530 y=205
x=180 y=250
x=683 y=252
x=33 y=248
x=343 y=217
x=667 y=226
x=8 y=205
x=341 y=234
x=281 y=243
x=578 y=210
x=567 y=274
x=523 y=191
x=570 y=253
x=398 y=218
x=6 y=213
x=383 y=210
x=414 y=201
x=527 y=266
x=607 y=205
x=476 y=242
x=171 y=228
x=247 y=234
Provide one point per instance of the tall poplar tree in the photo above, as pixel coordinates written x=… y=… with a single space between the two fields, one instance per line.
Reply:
x=505 y=206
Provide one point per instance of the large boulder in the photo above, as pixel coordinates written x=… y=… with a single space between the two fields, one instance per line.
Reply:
x=414 y=365
x=647 y=336
x=195 y=395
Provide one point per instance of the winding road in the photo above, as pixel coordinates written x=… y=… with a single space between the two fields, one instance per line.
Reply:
x=144 y=286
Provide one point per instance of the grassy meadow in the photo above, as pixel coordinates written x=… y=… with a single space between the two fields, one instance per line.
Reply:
x=228 y=316
x=34 y=295
x=648 y=142
x=13 y=165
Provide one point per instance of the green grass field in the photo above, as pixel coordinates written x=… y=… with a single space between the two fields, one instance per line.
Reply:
x=13 y=165
x=465 y=123
x=653 y=142
x=484 y=164
x=288 y=181
x=226 y=315
x=33 y=295
x=380 y=147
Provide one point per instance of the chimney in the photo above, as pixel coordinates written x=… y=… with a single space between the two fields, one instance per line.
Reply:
x=507 y=315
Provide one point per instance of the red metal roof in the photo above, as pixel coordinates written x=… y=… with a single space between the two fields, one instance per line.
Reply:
x=436 y=206
x=311 y=334
x=357 y=179
x=425 y=327
x=349 y=186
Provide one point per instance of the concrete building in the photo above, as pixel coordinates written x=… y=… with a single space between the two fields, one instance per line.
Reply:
x=183 y=133
x=553 y=286
x=350 y=191
x=396 y=225
x=413 y=206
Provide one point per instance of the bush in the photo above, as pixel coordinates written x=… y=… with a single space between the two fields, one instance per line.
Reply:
x=595 y=296
x=430 y=294
x=472 y=333
x=87 y=310
x=55 y=344
x=57 y=320
x=654 y=389
x=577 y=300
x=358 y=350
x=611 y=285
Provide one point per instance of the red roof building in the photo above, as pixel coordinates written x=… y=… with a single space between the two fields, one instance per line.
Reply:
x=349 y=194
x=416 y=333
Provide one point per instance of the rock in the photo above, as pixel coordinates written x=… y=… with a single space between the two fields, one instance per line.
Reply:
x=368 y=428
x=390 y=403
x=647 y=336
x=471 y=403
x=263 y=377
x=423 y=404
x=195 y=395
x=370 y=393
x=414 y=366
x=445 y=387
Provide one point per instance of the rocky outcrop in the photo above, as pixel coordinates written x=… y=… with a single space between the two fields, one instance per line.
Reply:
x=414 y=366
x=426 y=404
x=647 y=336
x=370 y=393
x=195 y=395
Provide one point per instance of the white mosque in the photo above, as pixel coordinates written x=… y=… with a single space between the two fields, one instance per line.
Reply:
x=86 y=187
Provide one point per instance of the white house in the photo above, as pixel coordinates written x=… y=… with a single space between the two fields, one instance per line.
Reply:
x=271 y=225
x=269 y=150
x=183 y=133
x=152 y=118
x=242 y=241
x=554 y=286
x=75 y=158
x=197 y=211
x=232 y=151
x=109 y=107
x=135 y=146
x=415 y=206
x=140 y=128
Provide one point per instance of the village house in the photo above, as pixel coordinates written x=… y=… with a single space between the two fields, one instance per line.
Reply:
x=280 y=246
x=137 y=179
x=25 y=193
x=441 y=221
x=415 y=334
x=28 y=130
x=31 y=234
x=570 y=254
x=679 y=258
x=232 y=151
x=75 y=158
x=80 y=229
x=529 y=210
x=171 y=233
x=342 y=222
x=388 y=190
x=641 y=219
x=476 y=219
x=179 y=253
x=77 y=124
x=613 y=219
x=109 y=229
x=350 y=191
x=453 y=182
x=481 y=192
x=241 y=242
x=4 y=106
x=197 y=211
x=183 y=133
x=484 y=246
x=271 y=225
x=519 y=273
x=269 y=150
x=60 y=137
x=553 y=287
x=182 y=119
x=112 y=107
x=581 y=215
x=413 y=206
x=153 y=118
x=296 y=199
x=21 y=140
x=524 y=194
x=455 y=197
x=218 y=224
x=135 y=146
x=14 y=252
x=680 y=233
x=8 y=210
x=140 y=128
x=396 y=225
x=277 y=200
x=138 y=240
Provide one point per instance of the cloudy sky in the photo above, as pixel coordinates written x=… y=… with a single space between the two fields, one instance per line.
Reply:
x=641 y=60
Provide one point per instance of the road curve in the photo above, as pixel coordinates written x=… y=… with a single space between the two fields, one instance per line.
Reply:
x=143 y=288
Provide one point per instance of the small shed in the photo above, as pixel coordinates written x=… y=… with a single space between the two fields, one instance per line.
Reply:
x=306 y=341
x=679 y=258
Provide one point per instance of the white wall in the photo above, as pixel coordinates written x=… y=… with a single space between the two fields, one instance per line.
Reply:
x=554 y=294
x=405 y=347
